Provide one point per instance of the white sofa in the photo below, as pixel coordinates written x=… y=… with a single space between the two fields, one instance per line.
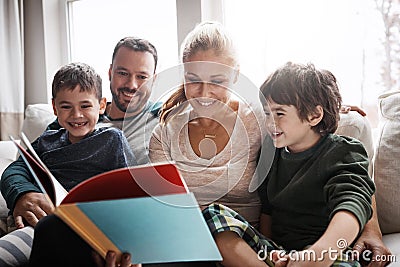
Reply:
x=387 y=158
x=8 y=153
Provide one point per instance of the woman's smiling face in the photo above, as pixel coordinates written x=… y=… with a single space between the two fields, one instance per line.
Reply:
x=208 y=80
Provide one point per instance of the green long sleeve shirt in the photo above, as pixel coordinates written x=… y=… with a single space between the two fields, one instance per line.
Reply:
x=304 y=190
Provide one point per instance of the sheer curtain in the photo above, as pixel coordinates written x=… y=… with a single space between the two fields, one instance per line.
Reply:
x=11 y=69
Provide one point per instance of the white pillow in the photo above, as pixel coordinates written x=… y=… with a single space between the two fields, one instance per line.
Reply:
x=387 y=163
x=37 y=117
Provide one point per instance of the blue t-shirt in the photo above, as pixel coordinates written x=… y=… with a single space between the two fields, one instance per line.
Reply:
x=102 y=150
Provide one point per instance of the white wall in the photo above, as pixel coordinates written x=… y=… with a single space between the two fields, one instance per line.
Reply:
x=192 y=12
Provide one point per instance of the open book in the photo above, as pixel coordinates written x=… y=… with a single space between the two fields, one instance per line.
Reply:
x=145 y=210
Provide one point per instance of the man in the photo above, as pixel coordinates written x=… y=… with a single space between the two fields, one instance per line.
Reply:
x=131 y=76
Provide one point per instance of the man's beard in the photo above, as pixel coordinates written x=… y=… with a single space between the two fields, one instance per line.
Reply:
x=130 y=108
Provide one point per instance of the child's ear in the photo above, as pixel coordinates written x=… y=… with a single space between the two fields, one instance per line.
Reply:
x=103 y=105
x=316 y=116
x=54 y=107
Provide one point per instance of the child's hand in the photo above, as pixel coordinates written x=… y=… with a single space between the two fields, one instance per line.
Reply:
x=298 y=260
x=31 y=207
x=279 y=258
x=111 y=258
x=295 y=259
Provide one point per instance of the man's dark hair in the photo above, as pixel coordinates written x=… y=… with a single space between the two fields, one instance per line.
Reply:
x=136 y=44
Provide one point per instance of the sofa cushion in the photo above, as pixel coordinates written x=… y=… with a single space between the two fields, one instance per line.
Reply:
x=357 y=126
x=392 y=241
x=37 y=117
x=387 y=167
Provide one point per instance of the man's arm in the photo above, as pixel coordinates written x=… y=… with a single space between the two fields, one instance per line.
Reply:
x=371 y=239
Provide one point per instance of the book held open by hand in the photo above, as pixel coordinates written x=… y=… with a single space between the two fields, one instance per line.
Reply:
x=146 y=210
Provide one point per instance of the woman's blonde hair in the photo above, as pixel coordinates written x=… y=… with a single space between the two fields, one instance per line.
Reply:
x=205 y=36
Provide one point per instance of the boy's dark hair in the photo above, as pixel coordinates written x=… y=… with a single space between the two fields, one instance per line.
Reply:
x=136 y=44
x=305 y=87
x=73 y=74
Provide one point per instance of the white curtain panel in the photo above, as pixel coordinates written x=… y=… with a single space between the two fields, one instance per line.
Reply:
x=11 y=69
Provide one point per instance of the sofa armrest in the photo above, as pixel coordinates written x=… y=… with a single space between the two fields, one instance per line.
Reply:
x=8 y=150
x=4 y=162
x=8 y=153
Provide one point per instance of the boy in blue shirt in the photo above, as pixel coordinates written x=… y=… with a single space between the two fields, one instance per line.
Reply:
x=78 y=150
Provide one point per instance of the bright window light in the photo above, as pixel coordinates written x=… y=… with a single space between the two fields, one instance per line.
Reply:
x=97 y=25
x=343 y=36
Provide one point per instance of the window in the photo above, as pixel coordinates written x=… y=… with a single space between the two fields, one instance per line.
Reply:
x=339 y=35
x=94 y=34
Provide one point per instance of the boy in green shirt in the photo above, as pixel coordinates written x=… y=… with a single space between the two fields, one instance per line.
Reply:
x=317 y=194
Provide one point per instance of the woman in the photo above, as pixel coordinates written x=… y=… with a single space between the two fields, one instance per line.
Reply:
x=210 y=133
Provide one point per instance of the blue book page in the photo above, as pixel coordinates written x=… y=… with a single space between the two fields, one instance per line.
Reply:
x=167 y=228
